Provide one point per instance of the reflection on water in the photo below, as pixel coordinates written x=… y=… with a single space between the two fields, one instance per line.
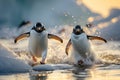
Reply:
x=55 y=75
x=104 y=75
x=15 y=77
x=94 y=73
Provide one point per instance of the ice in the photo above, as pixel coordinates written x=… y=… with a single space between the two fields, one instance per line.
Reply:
x=9 y=63
x=51 y=67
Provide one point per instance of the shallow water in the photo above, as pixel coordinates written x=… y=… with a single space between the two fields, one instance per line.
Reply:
x=93 y=73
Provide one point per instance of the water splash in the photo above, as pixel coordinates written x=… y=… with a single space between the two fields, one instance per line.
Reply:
x=108 y=53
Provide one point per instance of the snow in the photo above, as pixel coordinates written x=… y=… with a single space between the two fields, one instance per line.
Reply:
x=9 y=63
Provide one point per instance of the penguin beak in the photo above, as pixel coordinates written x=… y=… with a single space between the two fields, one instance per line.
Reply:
x=77 y=30
x=39 y=29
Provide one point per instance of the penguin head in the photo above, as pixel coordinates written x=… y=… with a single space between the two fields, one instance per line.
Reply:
x=39 y=27
x=78 y=30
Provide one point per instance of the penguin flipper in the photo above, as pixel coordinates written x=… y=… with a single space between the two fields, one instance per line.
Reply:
x=96 y=38
x=51 y=36
x=67 y=46
x=22 y=36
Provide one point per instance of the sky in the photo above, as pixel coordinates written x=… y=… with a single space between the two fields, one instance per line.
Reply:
x=102 y=7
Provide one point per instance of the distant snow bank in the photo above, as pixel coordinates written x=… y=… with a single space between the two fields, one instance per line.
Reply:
x=9 y=62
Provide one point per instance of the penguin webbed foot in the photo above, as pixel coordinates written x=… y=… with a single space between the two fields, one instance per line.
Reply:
x=15 y=41
x=34 y=59
x=80 y=62
x=34 y=64
x=42 y=62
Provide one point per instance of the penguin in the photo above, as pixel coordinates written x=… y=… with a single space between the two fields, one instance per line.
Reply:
x=89 y=25
x=38 y=41
x=81 y=45
x=24 y=23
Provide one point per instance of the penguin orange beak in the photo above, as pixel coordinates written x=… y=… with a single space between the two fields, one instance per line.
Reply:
x=77 y=30
x=39 y=28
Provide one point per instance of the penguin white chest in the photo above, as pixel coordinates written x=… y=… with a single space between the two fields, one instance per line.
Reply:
x=80 y=44
x=38 y=43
